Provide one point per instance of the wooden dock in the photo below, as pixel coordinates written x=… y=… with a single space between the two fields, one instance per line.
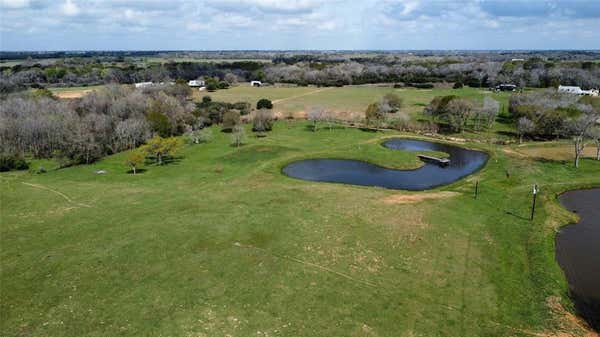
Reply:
x=439 y=161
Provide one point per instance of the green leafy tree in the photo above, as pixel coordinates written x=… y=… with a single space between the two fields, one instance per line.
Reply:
x=159 y=122
x=134 y=160
x=374 y=116
x=264 y=103
x=159 y=148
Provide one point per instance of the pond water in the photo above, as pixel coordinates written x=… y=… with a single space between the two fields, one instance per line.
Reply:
x=578 y=252
x=462 y=163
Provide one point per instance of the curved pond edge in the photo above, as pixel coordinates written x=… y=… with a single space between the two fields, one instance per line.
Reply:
x=381 y=142
x=575 y=301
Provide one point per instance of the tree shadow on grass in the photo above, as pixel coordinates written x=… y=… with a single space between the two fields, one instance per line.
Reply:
x=311 y=127
x=168 y=160
x=137 y=171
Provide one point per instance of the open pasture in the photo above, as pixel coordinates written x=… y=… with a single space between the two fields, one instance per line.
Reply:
x=219 y=242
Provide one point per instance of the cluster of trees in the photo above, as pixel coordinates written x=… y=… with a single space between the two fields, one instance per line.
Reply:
x=376 y=113
x=532 y=73
x=85 y=72
x=212 y=112
x=459 y=113
x=552 y=115
x=101 y=123
x=327 y=69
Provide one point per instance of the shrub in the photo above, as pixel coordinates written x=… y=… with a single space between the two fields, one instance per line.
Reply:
x=211 y=86
x=391 y=103
x=264 y=104
x=457 y=85
x=262 y=121
x=231 y=118
x=9 y=163
x=374 y=116
x=422 y=85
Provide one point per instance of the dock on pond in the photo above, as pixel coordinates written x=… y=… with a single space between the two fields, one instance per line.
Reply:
x=436 y=160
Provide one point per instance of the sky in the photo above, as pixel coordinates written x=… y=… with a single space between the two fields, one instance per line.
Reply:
x=27 y=25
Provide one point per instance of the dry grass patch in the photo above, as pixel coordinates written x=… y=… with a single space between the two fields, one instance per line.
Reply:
x=559 y=152
x=72 y=94
x=415 y=198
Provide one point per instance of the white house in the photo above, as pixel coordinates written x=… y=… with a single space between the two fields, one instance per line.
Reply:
x=577 y=90
x=143 y=84
x=256 y=84
x=196 y=83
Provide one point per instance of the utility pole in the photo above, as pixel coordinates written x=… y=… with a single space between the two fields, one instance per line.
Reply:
x=535 y=192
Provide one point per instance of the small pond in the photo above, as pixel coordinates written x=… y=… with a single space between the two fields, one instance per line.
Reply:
x=578 y=252
x=462 y=163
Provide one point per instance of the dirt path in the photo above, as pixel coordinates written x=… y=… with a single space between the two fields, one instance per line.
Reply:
x=64 y=196
x=72 y=94
x=298 y=96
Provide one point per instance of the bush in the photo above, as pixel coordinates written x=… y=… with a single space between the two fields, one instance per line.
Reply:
x=9 y=163
x=211 y=86
x=422 y=85
x=223 y=85
x=264 y=104
x=230 y=120
x=263 y=121
x=457 y=85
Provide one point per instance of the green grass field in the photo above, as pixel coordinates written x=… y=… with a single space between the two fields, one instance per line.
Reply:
x=220 y=243
x=348 y=98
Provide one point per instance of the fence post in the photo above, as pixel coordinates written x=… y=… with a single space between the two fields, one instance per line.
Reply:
x=535 y=192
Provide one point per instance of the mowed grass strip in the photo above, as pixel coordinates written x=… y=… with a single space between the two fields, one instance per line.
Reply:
x=221 y=243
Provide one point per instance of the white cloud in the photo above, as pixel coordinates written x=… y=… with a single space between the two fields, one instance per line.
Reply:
x=280 y=24
x=70 y=8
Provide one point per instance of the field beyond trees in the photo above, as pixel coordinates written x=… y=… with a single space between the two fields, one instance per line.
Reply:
x=218 y=242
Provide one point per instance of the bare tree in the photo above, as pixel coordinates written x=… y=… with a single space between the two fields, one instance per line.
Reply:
x=237 y=135
x=315 y=114
x=458 y=113
x=595 y=135
x=131 y=133
x=579 y=129
x=262 y=121
x=524 y=127
x=490 y=110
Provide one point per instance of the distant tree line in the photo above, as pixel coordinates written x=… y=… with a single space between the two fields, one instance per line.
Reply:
x=314 y=69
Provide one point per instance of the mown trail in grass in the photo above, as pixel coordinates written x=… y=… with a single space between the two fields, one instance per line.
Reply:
x=210 y=245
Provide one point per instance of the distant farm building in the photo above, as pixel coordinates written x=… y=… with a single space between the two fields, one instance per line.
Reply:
x=196 y=83
x=256 y=84
x=577 y=90
x=517 y=60
x=506 y=87
x=143 y=84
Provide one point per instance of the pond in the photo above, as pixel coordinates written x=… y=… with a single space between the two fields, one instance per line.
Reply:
x=462 y=163
x=578 y=252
